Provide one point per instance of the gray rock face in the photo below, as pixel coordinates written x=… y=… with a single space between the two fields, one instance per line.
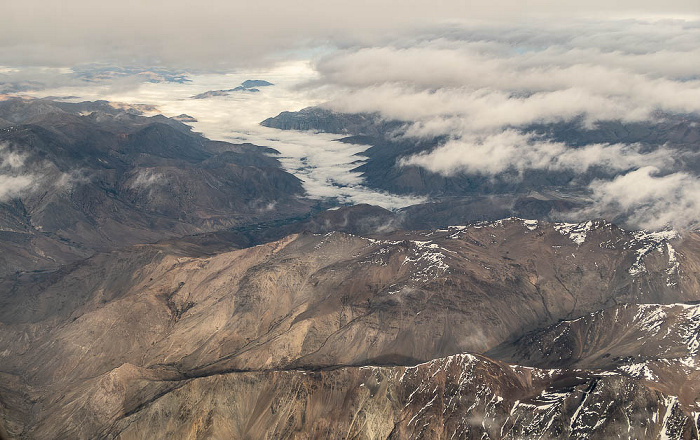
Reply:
x=460 y=396
x=211 y=94
x=613 y=338
x=319 y=119
x=250 y=83
x=250 y=86
x=657 y=344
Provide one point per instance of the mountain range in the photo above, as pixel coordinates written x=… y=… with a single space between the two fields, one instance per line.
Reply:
x=162 y=339
x=249 y=85
x=157 y=284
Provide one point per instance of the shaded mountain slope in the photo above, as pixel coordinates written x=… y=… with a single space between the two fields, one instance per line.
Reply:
x=612 y=338
x=95 y=177
x=659 y=344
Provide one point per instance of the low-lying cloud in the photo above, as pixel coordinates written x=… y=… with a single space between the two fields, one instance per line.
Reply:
x=14 y=181
x=145 y=179
x=20 y=177
x=14 y=186
x=10 y=160
x=479 y=84
x=648 y=198
x=513 y=150
x=481 y=89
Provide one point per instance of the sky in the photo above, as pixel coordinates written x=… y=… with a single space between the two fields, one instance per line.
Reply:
x=473 y=72
x=222 y=34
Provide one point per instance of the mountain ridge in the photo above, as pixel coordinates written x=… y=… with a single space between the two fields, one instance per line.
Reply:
x=150 y=320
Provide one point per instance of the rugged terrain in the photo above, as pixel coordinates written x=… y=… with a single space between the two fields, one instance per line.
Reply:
x=156 y=284
x=314 y=336
x=95 y=176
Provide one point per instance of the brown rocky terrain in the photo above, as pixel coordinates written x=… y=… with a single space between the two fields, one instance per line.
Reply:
x=461 y=396
x=659 y=344
x=252 y=342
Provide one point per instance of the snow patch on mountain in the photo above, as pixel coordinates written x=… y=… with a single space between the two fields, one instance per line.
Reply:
x=645 y=242
x=577 y=232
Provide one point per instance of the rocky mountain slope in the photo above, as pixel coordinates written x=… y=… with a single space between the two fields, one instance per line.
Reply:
x=658 y=344
x=613 y=338
x=271 y=340
x=460 y=396
x=94 y=176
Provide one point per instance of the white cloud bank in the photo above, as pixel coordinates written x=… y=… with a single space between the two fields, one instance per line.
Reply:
x=513 y=150
x=477 y=87
x=450 y=86
x=648 y=199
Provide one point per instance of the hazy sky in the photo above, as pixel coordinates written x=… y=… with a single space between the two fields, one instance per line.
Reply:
x=225 y=34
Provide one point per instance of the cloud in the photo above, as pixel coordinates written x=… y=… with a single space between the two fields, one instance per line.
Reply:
x=326 y=167
x=456 y=111
x=480 y=88
x=145 y=179
x=14 y=186
x=21 y=177
x=10 y=160
x=648 y=198
x=485 y=80
x=222 y=34
x=505 y=66
x=513 y=150
x=14 y=181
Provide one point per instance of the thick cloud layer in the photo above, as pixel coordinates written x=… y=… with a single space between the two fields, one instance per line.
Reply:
x=480 y=87
x=512 y=150
x=651 y=200
x=444 y=85
x=474 y=73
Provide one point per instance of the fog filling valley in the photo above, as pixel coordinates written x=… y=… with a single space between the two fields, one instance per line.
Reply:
x=477 y=88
